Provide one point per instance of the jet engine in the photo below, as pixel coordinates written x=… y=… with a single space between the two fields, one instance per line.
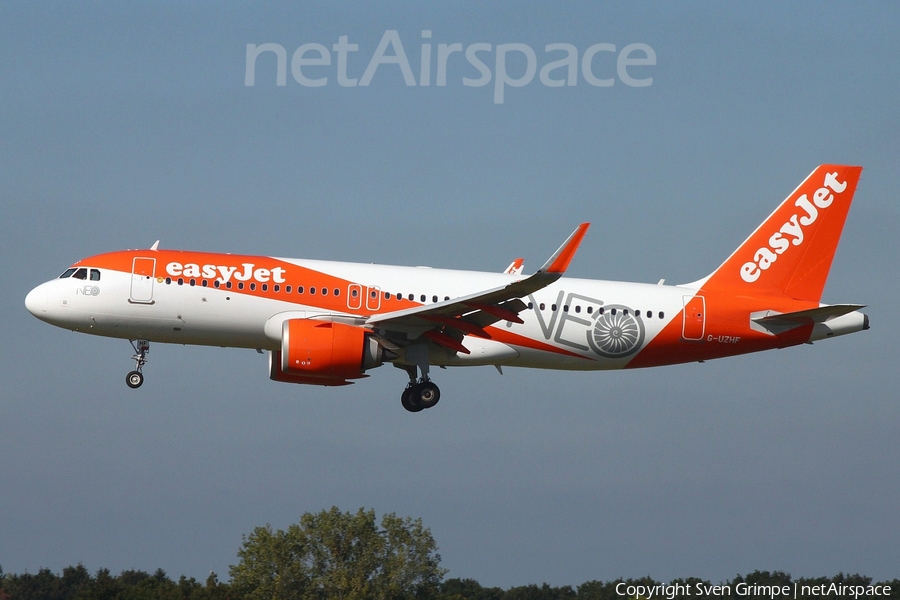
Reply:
x=324 y=353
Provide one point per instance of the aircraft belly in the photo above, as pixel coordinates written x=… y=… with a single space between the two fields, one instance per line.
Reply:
x=482 y=352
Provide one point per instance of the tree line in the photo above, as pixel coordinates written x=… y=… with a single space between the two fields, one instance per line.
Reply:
x=350 y=556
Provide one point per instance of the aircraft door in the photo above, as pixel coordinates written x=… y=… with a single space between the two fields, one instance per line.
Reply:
x=694 y=317
x=143 y=271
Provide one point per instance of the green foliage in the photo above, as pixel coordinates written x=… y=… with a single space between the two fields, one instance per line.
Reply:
x=76 y=583
x=335 y=555
x=599 y=590
x=332 y=554
x=468 y=589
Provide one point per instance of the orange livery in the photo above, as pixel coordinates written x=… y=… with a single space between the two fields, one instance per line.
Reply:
x=329 y=323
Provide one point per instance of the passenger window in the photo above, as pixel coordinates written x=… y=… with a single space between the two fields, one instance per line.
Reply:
x=80 y=274
x=542 y=306
x=553 y=307
x=590 y=309
x=240 y=284
x=637 y=313
x=66 y=274
x=566 y=308
x=662 y=315
x=337 y=292
x=180 y=281
x=287 y=289
x=612 y=312
x=299 y=289
x=193 y=282
x=205 y=283
x=253 y=287
x=649 y=314
x=578 y=309
x=354 y=293
x=434 y=299
x=324 y=291
x=95 y=275
x=422 y=297
x=312 y=290
x=215 y=283
x=412 y=297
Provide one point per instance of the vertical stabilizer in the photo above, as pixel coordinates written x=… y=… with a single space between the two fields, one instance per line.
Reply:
x=791 y=252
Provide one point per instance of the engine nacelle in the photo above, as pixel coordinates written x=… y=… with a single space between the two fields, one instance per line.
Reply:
x=276 y=374
x=313 y=349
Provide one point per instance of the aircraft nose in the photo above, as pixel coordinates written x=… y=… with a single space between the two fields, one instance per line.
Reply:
x=36 y=301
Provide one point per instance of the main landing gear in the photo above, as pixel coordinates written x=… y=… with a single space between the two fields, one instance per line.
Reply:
x=135 y=378
x=419 y=393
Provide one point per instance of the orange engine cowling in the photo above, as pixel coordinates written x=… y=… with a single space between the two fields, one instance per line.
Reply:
x=276 y=374
x=324 y=353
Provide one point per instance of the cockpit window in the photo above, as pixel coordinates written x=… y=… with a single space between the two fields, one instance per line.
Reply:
x=95 y=275
x=67 y=273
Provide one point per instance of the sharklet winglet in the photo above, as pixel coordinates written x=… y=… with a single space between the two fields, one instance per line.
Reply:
x=559 y=262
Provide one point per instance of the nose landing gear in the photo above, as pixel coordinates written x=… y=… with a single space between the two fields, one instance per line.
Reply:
x=135 y=378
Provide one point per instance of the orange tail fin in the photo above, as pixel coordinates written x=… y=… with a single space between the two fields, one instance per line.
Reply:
x=791 y=252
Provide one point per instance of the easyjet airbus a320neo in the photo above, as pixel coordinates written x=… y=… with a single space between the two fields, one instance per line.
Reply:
x=329 y=323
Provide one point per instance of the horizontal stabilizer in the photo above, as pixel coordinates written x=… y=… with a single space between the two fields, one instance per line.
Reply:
x=775 y=323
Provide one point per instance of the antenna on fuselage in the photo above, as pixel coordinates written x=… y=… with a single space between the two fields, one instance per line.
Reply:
x=155 y=245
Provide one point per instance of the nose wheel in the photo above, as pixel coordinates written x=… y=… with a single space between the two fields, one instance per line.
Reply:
x=135 y=378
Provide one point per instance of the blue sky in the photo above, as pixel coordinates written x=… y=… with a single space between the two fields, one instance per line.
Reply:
x=125 y=123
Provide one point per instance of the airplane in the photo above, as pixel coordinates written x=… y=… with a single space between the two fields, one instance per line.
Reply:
x=329 y=323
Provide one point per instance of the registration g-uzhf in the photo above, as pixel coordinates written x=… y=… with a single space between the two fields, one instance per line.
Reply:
x=312 y=64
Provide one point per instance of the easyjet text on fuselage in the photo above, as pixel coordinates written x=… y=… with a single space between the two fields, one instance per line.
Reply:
x=224 y=273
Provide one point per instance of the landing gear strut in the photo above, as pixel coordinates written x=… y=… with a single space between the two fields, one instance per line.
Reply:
x=135 y=378
x=420 y=393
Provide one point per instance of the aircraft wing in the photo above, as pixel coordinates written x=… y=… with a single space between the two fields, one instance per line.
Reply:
x=446 y=323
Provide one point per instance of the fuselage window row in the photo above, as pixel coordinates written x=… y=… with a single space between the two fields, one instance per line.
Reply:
x=600 y=311
x=95 y=276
